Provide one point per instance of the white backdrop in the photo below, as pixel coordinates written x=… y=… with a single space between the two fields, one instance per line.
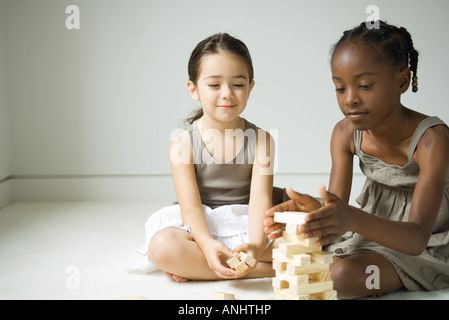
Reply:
x=103 y=100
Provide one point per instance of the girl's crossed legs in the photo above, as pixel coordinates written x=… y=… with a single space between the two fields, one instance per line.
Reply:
x=174 y=251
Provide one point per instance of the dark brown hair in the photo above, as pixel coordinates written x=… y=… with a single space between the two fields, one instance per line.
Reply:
x=211 y=45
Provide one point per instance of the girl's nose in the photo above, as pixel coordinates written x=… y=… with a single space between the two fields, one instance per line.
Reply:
x=226 y=92
x=351 y=98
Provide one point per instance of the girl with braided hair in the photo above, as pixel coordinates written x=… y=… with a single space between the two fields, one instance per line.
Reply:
x=402 y=226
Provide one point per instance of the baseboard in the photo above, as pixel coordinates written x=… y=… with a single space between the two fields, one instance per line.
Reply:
x=6 y=192
x=133 y=187
x=94 y=188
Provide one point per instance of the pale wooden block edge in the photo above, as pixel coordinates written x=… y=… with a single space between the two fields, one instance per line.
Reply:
x=233 y=262
x=290 y=217
x=221 y=296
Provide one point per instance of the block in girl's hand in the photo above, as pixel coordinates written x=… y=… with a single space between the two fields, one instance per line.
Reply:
x=241 y=262
x=290 y=217
x=233 y=262
x=246 y=258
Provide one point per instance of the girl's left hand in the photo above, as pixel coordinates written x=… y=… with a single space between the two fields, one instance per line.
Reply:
x=216 y=253
x=329 y=222
x=249 y=250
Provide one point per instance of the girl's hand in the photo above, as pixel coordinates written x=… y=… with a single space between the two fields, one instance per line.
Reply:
x=330 y=221
x=297 y=202
x=249 y=250
x=216 y=254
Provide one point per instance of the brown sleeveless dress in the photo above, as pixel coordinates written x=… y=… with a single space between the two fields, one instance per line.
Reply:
x=388 y=193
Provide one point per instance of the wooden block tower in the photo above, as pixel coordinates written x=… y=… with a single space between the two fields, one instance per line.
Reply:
x=302 y=268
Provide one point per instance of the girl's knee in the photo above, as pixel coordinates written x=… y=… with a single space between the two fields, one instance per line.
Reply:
x=364 y=275
x=348 y=279
x=161 y=248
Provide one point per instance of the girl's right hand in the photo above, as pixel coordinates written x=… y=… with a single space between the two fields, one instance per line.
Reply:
x=216 y=254
x=298 y=202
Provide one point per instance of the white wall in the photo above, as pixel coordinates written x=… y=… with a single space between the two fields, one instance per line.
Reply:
x=5 y=139
x=102 y=101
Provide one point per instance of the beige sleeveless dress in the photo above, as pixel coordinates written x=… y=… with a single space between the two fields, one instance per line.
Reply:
x=388 y=193
x=224 y=189
x=223 y=183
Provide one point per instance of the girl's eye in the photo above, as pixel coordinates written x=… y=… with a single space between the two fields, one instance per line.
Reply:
x=214 y=85
x=365 y=86
x=340 y=90
x=239 y=85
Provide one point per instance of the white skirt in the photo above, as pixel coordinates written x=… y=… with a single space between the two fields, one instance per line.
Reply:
x=227 y=224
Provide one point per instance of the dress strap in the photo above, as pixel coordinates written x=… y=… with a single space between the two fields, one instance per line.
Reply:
x=357 y=139
x=195 y=142
x=422 y=127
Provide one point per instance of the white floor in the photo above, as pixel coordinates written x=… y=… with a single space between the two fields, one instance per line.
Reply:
x=80 y=250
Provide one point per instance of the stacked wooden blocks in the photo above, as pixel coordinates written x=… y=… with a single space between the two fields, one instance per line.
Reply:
x=302 y=268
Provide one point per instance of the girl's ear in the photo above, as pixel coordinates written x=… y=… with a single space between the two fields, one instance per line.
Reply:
x=251 y=86
x=404 y=80
x=193 y=90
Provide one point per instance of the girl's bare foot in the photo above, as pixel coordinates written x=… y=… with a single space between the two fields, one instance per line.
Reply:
x=176 y=278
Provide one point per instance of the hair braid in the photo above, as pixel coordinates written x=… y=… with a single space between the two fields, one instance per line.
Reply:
x=394 y=46
x=413 y=57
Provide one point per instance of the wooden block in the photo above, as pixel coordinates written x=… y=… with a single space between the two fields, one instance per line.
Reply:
x=279 y=255
x=294 y=280
x=290 y=217
x=290 y=248
x=298 y=238
x=233 y=262
x=301 y=259
x=320 y=276
x=279 y=283
x=241 y=267
x=285 y=294
x=321 y=256
x=221 y=296
x=248 y=259
x=279 y=265
x=298 y=259
x=310 y=268
x=325 y=295
x=312 y=287
x=291 y=228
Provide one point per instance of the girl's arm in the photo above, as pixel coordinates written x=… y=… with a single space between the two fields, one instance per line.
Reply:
x=261 y=192
x=432 y=156
x=342 y=153
x=412 y=236
x=340 y=182
x=192 y=213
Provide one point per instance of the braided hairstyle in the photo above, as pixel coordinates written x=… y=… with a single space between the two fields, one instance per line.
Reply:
x=394 y=44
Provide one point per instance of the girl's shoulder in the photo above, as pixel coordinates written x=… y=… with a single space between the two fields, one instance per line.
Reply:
x=180 y=148
x=435 y=135
x=180 y=136
x=432 y=139
x=429 y=128
x=344 y=127
x=343 y=135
